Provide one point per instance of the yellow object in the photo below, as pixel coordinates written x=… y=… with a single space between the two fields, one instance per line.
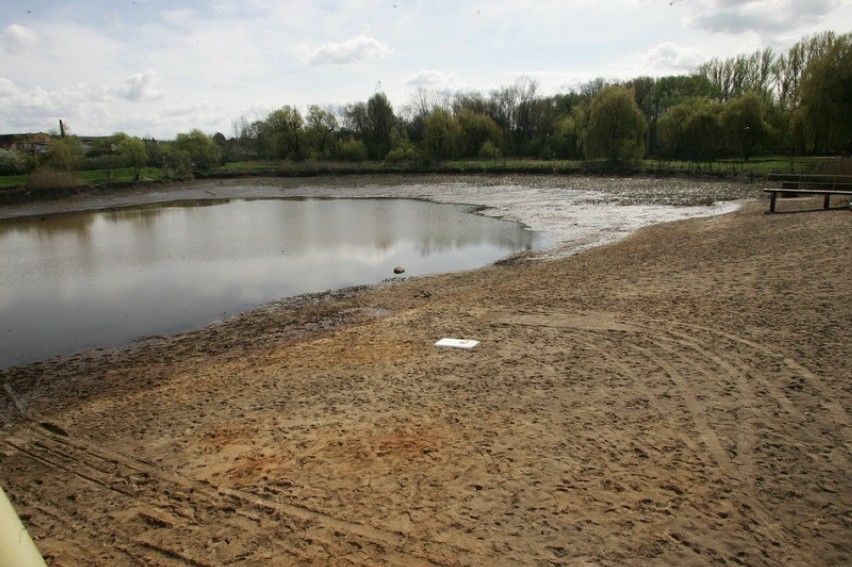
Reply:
x=16 y=546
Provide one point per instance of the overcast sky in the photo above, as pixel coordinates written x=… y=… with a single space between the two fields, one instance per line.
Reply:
x=160 y=67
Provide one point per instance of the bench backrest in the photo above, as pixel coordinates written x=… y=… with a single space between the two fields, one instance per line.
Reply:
x=803 y=181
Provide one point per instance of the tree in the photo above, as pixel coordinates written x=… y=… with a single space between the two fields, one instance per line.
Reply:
x=401 y=147
x=566 y=137
x=200 y=149
x=65 y=153
x=380 y=123
x=285 y=130
x=442 y=135
x=826 y=94
x=667 y=92
x=245 y=143
x=691 y=130
x=738 y=75
x=476 y=130
x=352 y=149
x=132 y=152
x=616 y=125
x=790 y=68
x=321 y=131
x=175 y=161
x=515 y=110
x=11 y=162
x=744 y=123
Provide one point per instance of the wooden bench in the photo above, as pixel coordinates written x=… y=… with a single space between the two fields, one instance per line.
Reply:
x=793 y=184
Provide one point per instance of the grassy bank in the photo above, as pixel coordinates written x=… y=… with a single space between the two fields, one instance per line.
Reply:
x=25 y=187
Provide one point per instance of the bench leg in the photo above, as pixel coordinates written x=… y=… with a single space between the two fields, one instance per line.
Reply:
x=772 y=197
x=826 y=200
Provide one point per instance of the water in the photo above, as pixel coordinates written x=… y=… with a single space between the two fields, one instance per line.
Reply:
x=99 y=279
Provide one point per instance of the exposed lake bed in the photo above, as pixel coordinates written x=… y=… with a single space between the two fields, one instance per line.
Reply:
x=571 y=214
x=677 y=397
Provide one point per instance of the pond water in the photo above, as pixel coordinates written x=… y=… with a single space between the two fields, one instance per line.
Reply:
x=104 y=278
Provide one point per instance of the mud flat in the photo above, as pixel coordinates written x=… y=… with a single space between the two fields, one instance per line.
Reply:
x=680 y=396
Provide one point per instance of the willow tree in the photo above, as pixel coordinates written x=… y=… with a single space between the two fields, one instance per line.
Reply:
x=826 y=95
x=133 y=152
x=616 y=126
x=199 y=148
x=285 y=127
x=744 y=123
x=442 y=135
x=691 y=130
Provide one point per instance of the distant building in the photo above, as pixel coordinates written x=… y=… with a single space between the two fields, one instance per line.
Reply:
x=26 y=143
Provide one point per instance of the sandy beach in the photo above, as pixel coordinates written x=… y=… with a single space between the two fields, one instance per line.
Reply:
x=680 y=396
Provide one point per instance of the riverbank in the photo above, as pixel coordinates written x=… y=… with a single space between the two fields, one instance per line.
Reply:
x=677 y=397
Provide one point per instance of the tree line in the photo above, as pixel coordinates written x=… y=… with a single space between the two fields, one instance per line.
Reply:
x=798 y=102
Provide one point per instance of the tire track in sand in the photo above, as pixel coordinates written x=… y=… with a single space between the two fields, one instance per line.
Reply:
x=837 y=412
x=667 y=355
x=144 y=496
x=741 y=473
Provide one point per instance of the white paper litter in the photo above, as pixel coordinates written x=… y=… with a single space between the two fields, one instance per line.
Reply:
x=457 y=343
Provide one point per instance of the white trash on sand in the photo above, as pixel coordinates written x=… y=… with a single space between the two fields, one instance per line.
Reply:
x=457 y=343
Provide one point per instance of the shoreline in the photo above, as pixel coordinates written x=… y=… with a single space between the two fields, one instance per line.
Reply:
x=572 y=219
x=678 y=396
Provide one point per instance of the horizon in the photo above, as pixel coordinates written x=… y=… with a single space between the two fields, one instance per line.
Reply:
x=153 y=70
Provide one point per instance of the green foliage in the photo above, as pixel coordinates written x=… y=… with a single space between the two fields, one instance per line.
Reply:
x=616 y=125
x=12 y=162
x=691 y=130
x=489 y=150
x=476 y=131
x=380 y=123
x=826 y=94
x=321 y=132
x=352 y=149
x=566 y=139
x=134 y=154
x=65 y=153
x=402 y=150
x=284 y=129
x=194 y=150
x=175 y=161
x=744 y=107
x=442 y=136
x=744 y=123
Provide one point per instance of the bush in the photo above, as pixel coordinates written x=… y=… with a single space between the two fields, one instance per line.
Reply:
x=401 y=154
x=352 y=150
x=48 y=179
x=489 y=150
x=12 y=163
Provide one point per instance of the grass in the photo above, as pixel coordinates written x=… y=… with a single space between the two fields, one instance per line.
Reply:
x=8 y=181
x=96 y=176
x=754 y=168
x=89 y=177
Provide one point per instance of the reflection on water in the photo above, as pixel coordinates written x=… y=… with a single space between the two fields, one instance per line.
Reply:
x=91 y=279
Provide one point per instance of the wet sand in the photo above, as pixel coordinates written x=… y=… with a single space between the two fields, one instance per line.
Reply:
x=679 y=397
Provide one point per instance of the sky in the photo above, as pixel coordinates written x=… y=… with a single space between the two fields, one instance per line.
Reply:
x=156 y=68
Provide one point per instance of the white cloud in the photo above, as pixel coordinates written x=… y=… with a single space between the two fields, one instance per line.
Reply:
x=142 y=67
x=759 y=16
x=140 y=87
x=430 y=78
x=672 y=56
x=18 y=39
x=355 y=49
x=7 y=87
